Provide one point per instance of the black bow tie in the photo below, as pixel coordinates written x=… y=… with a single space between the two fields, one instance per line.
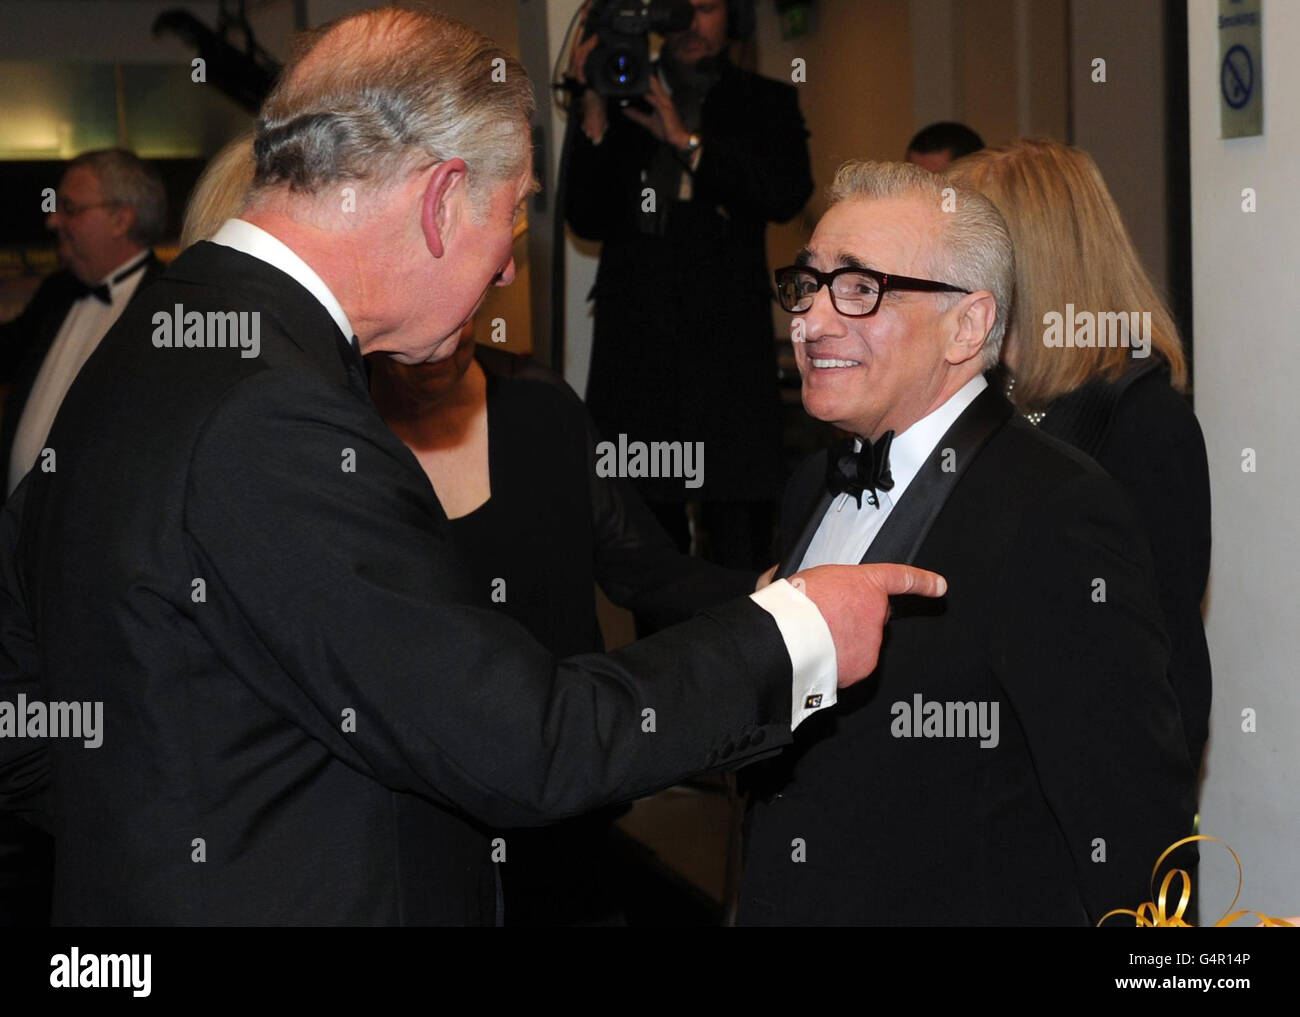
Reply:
x=101 y=291
x=853 y=472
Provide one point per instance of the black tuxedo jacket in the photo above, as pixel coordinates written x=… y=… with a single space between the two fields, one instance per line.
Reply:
x=305 y=720
x=25 y=342
x=25 y=851
x=1089 y=781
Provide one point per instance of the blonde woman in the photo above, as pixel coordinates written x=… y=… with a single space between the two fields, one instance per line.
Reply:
x=1093 y=358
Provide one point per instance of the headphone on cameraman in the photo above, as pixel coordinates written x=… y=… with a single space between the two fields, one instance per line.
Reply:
x=740 y=19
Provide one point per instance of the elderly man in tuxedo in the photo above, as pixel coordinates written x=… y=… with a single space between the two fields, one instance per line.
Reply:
x=1018 y=757
x=307 y=715
x=109 y=211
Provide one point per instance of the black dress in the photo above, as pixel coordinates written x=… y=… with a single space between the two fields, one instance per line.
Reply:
x=535 y=550
x=1145 y=435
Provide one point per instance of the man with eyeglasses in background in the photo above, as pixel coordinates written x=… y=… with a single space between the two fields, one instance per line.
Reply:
x=1017 y=758
x=110 y=209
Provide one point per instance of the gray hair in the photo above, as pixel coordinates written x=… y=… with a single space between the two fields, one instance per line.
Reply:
x=373 y=95
x=974 y=250
x=125 y=179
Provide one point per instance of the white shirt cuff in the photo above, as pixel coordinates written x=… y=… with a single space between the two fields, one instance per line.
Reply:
x=809 y=643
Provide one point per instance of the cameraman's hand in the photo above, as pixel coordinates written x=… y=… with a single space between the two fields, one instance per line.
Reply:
x=664 y=123
x=591 y=105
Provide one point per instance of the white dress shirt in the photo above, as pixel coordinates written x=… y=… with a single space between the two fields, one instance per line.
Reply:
x=847 y=530
x=805 y=632
x=84 y=327
x=255 y=241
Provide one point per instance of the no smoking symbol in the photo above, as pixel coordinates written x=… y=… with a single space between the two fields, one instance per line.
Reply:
x=1237 y=76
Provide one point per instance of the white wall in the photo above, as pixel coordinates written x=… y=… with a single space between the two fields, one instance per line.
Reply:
x=581 y=257
x=1246 y=306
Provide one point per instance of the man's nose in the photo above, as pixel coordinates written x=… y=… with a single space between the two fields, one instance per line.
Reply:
x=821 y=320
x=54 y=220
x=507 y=275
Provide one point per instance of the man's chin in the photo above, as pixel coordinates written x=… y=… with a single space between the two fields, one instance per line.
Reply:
x=440 y=354
x=828 y=411
x=76 y=269
x=689 y=55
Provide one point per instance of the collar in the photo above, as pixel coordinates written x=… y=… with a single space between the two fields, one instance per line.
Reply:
x=126 y=269
x=257 y=243
x=911 y=448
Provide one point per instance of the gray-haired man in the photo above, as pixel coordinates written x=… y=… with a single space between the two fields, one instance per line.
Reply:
x=1018 y=757
x=108 y=213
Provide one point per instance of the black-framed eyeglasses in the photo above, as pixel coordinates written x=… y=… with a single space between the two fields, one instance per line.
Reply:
x=855 y=292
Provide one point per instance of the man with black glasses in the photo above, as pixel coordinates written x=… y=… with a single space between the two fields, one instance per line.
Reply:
x=1018 y=757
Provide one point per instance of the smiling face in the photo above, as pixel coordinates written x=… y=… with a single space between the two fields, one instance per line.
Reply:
x=707 y=36
x=884 y=372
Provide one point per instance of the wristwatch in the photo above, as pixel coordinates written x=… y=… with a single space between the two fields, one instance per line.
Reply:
x=692 y=144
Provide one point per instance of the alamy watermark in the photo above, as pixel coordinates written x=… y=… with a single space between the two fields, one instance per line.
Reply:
x=36 y=719
x=934 y=719
x=1112 y=329
x=182 y=329
x=77 y=970
x=637 y=459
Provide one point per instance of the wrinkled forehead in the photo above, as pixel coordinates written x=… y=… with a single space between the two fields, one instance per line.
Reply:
x=896 y=235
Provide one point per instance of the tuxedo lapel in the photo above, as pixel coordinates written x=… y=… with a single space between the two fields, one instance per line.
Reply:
x=903 y=533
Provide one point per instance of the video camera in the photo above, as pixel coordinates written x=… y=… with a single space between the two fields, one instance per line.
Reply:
x=619 y=66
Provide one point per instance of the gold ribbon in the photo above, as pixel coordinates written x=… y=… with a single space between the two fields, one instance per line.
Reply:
x=1153 y=914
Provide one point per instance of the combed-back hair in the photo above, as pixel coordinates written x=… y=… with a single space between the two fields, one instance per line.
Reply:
x=973 y=250
x=379 y=93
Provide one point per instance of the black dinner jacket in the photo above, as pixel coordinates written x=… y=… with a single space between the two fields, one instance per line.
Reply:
x=305 y=721
x=25 y=342
x=937 y=830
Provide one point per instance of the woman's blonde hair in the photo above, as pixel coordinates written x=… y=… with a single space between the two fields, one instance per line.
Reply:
x=221 y=191
x=1071 y=247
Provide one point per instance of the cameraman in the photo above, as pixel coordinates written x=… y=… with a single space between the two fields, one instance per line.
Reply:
x=680 y=192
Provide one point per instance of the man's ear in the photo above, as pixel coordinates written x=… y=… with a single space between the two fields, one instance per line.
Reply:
x=123 y=219
x=974 y=314
x=445 y=184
